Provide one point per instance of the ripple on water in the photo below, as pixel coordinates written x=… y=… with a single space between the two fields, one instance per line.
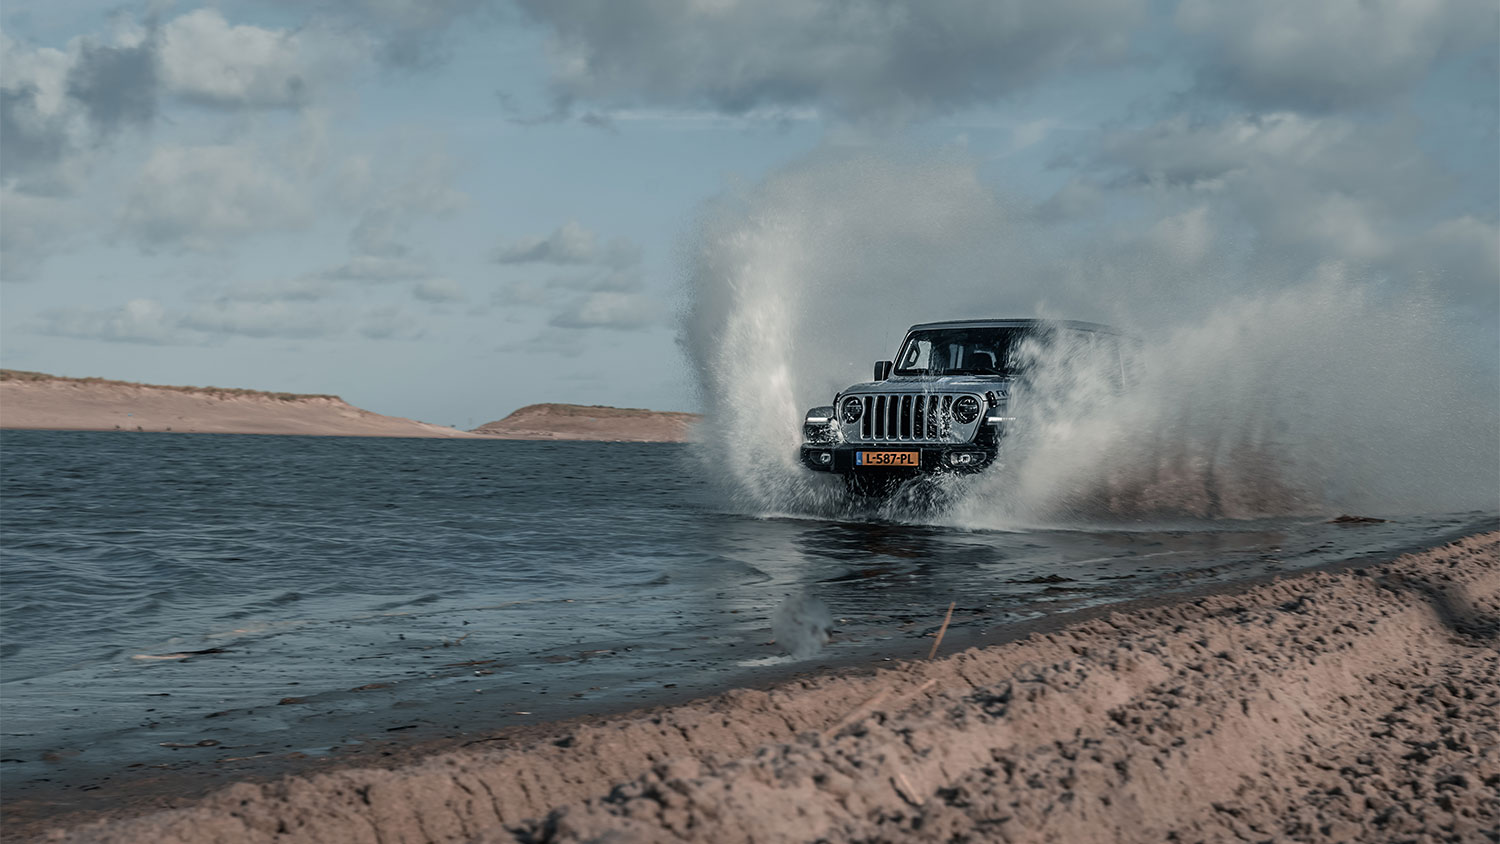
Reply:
x=314 y=566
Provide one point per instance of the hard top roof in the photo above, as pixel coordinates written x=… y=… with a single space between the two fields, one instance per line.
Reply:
x=1015 y=323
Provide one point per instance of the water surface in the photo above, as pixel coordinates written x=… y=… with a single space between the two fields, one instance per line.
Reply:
x=198 y=598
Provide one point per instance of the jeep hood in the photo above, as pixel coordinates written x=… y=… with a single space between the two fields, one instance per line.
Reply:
x=929 y=384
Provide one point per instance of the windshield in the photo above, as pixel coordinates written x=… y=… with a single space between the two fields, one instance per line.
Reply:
x=961 y=351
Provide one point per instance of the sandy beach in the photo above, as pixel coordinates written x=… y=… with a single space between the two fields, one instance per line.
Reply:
x=1357 y=703
x=69 y=404
x=34 y=400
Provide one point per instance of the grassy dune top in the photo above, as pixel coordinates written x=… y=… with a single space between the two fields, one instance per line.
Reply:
x=21 y=375
x=593 y=411
x=591 y=422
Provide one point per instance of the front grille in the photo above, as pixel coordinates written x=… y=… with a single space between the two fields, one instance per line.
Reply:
x=913 y=418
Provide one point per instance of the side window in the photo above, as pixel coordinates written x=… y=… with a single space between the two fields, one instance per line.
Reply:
x=917 y=355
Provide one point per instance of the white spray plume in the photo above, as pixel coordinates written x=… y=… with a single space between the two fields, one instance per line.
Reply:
x=1303 y=400
x=801 y=625
x=1256 y=397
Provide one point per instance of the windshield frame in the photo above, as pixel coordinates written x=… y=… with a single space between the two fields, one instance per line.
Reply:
x=999 y=341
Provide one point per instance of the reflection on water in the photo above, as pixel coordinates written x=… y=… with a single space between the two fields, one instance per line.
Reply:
x=171 y=589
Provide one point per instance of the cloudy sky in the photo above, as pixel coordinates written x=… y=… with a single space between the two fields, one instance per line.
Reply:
x=448 y=209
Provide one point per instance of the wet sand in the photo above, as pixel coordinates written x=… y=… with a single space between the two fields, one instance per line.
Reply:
x=1357 y=704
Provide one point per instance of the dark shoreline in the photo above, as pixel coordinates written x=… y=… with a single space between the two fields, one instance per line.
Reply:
x=77 y=799
x=475 y=437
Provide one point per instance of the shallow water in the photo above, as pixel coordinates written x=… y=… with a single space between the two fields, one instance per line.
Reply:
x=438 y=586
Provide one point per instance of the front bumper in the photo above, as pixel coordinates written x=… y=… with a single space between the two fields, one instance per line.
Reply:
x=841 y=458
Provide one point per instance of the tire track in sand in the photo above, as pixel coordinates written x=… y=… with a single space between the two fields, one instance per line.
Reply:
x=1359 y=705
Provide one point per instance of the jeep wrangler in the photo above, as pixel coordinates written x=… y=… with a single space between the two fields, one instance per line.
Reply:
x=942 y=406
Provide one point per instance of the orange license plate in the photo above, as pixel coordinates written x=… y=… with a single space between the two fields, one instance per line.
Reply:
x=887 y=458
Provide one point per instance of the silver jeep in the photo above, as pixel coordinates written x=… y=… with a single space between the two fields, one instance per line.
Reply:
x=943 y=405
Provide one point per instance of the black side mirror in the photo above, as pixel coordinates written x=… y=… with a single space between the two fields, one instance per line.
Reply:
x=882 y=370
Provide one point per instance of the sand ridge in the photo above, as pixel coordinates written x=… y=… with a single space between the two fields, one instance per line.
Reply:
x=1359 y=705
x=34 y=400
x=577 y=422
x=75 y=404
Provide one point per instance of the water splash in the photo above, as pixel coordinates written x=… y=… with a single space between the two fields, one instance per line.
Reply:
x=1254 y=397
x=801 y=624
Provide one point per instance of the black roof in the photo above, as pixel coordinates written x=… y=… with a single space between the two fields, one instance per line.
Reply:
x=1016 y=323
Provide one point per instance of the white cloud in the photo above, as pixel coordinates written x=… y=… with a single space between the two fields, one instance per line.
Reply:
x=1329 y=54
x=46 y=130
x=1182 y=151
x=601 y=288
x=1279 y=152
x=137 y=321
x=881 y=60
x=393 y=202
x=204 y=198
x=206 y=59
x=1460 y=256
x=606 y=309
x=148 y=321
x=31 y=227
x=58 y=106
x=407 y=33
x=1333 y=225
x=1031 y=133
x=61 y=110
x=607 y=278
x=261 y=319
x=1291 y=194
x=570 y=243
x=701 y=118
x=199 y=198
x=41 y=72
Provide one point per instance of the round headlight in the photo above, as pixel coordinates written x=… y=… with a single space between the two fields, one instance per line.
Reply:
x=851 y=410
x=966 y=409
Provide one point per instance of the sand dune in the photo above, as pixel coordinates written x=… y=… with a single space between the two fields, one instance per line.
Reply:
x=1360 y=705
x=39 y=401
x=35 y=400
x=577 y=422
